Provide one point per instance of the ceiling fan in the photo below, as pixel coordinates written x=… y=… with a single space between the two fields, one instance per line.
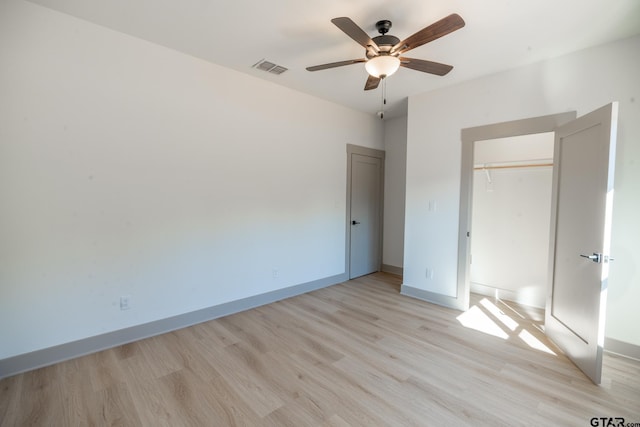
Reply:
x=383 y=53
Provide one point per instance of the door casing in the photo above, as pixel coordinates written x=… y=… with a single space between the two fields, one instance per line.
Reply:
x=469 y=136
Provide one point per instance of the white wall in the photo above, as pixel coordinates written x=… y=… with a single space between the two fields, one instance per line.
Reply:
x=510 y=233
x=537 y=147
x=130 y=169
x=511 y=218
x=582 y=81
x=395 y=145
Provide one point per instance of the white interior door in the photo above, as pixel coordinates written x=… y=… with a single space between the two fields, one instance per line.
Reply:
x=580 y=236
x=366 y=215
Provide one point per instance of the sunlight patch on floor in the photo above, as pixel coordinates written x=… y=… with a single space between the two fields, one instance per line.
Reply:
x=474 y=318
x=499 y=314
x=534 y=342
x=488 y=318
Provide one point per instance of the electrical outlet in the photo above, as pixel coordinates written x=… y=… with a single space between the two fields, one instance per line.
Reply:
x=274 y=273
x=429 y=273
x=125 y=302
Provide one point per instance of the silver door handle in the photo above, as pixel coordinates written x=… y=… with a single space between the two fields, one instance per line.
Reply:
x=595 y=257
x=599 y=258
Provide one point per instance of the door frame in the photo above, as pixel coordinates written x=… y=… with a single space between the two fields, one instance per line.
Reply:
x=371 y=152
x=468 y=137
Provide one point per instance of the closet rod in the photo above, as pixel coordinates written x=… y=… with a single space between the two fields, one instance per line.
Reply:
x=533 y=165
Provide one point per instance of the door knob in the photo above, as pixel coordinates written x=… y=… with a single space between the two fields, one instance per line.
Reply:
x=354 y=222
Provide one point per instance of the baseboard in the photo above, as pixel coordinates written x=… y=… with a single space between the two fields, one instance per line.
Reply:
x=49 y=356
x=507 y=294
x=392 y=269
x=432 y=297
x=622 y=348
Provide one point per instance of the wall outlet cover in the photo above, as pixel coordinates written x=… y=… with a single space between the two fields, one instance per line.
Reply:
x=125 y=302
x=429 y=273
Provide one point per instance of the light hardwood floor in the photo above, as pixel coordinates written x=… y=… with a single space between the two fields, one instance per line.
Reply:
x=354 y=354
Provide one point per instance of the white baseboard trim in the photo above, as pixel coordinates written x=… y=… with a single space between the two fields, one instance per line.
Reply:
x=507 y=294
x=49 y=356
x=392 y=269
x=622 y=348
x=432 y=297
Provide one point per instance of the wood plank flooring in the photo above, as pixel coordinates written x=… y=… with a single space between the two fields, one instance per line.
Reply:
x=354 y=354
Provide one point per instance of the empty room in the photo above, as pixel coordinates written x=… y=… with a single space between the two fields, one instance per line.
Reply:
x=322 y=213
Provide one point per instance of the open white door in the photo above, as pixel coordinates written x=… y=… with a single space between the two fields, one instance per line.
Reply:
x=582 y=200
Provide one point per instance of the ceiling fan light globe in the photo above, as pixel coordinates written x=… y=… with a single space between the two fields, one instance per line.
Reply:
x=382 y=65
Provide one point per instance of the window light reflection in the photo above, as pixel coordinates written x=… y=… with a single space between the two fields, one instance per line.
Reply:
x=534 y=342
x=474 y=318
x=488 y=318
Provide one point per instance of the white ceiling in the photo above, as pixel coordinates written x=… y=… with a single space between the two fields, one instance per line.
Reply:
x=499 y=34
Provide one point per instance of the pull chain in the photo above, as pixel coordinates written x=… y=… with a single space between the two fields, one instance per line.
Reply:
x=383 y=101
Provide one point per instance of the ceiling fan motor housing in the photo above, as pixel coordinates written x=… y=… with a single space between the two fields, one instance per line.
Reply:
x=385 y=43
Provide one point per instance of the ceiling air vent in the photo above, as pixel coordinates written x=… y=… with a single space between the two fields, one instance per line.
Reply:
x=269 y=67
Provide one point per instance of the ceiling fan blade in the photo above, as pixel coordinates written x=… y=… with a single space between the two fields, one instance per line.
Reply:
x=434 y=31
x=425 y=66
x=351 y=29
x=372 y=83
x=335 y=64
